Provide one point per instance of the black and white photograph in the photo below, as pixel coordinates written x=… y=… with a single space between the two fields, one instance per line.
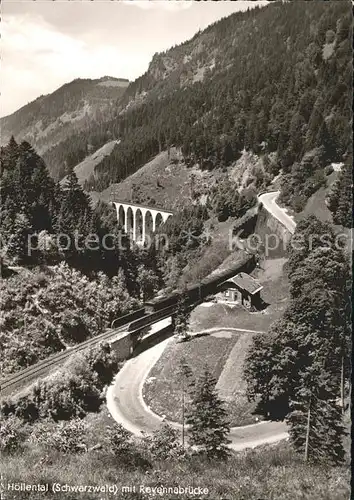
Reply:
x=176 y=249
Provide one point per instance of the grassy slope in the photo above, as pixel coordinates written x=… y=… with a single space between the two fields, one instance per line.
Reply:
x=84 y=169
x=216 y=255
x=162 y=390
x=270 y=472
x=165 y=180
x=316 y=204
x=176 y=181
x=272 y=277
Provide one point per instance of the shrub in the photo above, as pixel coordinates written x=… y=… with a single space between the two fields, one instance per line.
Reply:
x=328 y=170
x=120 y=443
x=118 y=440
x=164 y=443
x=65 y=437
x=71 y=392
x=12 y=435
x=99 y=363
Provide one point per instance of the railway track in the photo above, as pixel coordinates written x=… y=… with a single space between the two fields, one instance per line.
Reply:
x=130 y=324
x=23 y=378
x=43 y=367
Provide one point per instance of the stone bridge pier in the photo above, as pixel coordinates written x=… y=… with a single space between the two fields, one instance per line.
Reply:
x=139 y=220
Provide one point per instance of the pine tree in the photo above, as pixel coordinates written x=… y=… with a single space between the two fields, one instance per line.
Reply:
x=187 y=382
x=181 y=317
x=75 y=206
x=340 y=199
x=209 y=426
x=306 y=362
x=17 y=245
x=9 y=155
x=325 y=140
x=315 y=424
x=74 y=222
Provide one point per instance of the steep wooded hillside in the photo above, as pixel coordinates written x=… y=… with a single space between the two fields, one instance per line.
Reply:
x=52 y=118
x=275 y=81
x=271 y=80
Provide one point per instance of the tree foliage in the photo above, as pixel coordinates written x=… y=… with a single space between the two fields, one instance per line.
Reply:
x=304 y=363
x=182 y=317
x=64 y=436
x=35 y=323
x=207 y=419
x=164 y=444
x=12 y=435
x=73 y=391
x=45 y=223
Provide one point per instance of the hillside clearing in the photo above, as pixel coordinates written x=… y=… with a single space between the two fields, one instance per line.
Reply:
x=231 y=385
x=316 y=204
x=275 y=470
x=163 y=389
x=87 y=167
x=272 y=276
x=164 y=181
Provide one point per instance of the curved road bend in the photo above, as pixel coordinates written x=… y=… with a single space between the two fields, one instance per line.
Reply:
x=124 y=397
x=127 y=407
x=269 y=203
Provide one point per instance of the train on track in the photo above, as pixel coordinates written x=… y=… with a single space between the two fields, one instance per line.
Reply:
x=198 y=292
x=132 y=323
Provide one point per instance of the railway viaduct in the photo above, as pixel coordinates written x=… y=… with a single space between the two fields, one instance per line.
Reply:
x=140 y=220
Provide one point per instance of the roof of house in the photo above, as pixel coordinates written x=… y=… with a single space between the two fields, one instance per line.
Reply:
x=246 y=282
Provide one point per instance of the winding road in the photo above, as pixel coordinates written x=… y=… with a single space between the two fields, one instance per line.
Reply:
x=127 y=407
x=269 y=202
x=125 y=400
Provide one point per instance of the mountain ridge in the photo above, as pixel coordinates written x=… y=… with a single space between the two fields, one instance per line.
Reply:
x=253 y=81
x=51 y=118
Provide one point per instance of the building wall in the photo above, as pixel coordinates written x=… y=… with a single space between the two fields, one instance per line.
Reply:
x=234 y=295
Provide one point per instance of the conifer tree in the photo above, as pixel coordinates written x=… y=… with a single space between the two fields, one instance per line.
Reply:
x=305 y=363
x=17 y=244
x=74 y=220
x=315 y=423
x=340 y=198
x=187 y=382
x=182 y=316
x=75 y=208
x=207 y=419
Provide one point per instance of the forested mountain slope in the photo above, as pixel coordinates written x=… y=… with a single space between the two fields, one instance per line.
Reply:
x=52 y=118
x=276 y=79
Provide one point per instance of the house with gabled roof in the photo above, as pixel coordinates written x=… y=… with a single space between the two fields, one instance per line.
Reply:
x=241 y=289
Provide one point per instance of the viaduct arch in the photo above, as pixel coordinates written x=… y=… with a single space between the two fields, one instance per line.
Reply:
x=139 y=219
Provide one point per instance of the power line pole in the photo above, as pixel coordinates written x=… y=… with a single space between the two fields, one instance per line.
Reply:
x=183 y=399
x=308 y=431
x=342 y=384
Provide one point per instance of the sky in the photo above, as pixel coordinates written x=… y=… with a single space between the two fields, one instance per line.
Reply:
x=46 y=43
